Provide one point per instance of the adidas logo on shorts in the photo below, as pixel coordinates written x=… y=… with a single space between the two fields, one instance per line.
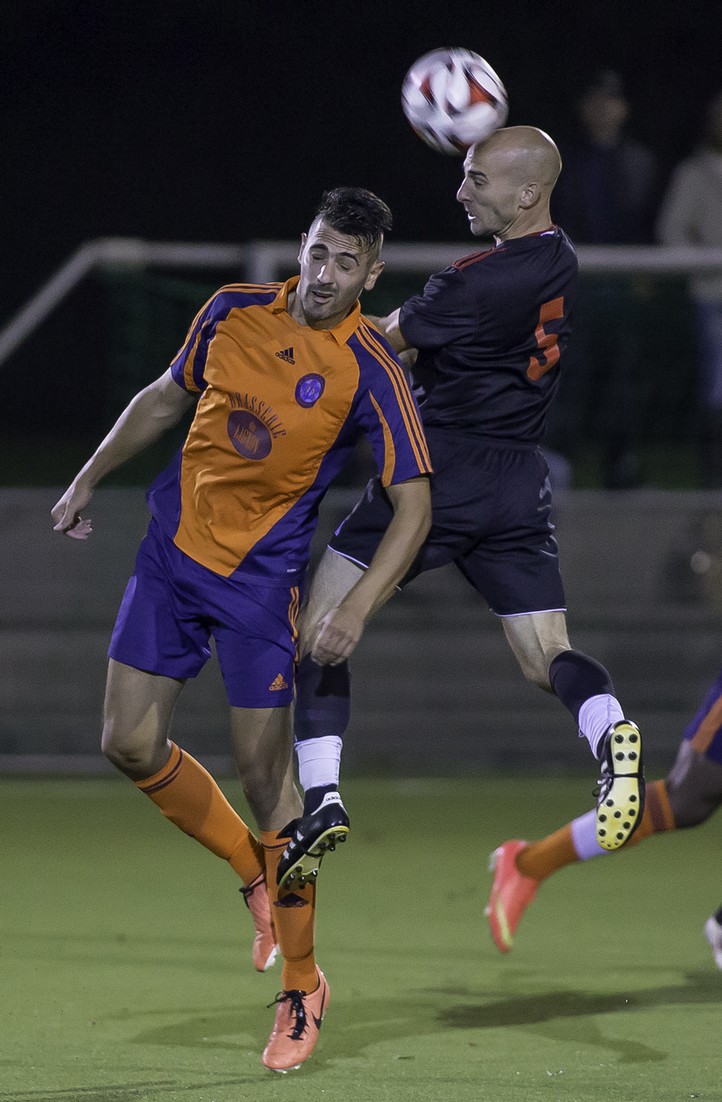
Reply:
x=277 y=684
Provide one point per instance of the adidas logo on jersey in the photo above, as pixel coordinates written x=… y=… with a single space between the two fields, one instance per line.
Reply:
x=287 y=355
x=277 y=684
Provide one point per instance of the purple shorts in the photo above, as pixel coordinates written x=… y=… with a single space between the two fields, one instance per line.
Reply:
x=173 y=605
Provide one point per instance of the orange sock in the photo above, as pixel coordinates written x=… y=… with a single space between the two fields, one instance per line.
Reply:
x=658 y=815
x=295 y=924
x=187 y=795
x=540 y=859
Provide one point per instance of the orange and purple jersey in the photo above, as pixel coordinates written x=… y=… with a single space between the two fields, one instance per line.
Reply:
x=281 y=406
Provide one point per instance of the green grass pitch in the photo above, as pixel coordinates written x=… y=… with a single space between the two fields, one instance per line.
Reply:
x=125 y=968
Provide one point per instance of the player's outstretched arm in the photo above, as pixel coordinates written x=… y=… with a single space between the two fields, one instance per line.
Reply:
x=151 y=413
x=342 y=627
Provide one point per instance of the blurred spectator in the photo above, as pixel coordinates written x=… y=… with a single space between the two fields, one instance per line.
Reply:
x=691 y=214
x=606 y=195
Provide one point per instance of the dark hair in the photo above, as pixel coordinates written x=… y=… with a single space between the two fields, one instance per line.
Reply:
x=356 y=212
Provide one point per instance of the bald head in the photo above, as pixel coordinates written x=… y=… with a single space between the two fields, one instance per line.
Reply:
x=524 y=153
x=508 y=181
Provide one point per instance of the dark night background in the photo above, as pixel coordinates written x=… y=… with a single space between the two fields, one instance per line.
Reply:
x=224 y=121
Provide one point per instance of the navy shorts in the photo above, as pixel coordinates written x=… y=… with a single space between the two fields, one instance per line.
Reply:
x=491 y=518
x=173 y=605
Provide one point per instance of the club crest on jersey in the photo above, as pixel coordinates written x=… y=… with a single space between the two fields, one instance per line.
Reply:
x=309 y=389
x=248 y=434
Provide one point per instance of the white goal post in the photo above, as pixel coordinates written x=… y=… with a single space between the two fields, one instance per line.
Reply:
x=265 y=261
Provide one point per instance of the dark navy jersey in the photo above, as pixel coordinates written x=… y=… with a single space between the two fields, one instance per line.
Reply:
x=491 y=331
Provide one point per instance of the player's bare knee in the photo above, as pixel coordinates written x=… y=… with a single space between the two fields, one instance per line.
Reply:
x=109 y=744
x=131 y=756
x=133 y=763
x=262 y=787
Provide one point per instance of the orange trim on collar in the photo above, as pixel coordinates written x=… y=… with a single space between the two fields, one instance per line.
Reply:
x=341 y=332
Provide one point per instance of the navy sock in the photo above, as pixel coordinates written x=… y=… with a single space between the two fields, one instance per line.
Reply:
x=323 y=699
x=575 y=677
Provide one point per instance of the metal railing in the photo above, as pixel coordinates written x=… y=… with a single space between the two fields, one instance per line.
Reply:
x=264 y=261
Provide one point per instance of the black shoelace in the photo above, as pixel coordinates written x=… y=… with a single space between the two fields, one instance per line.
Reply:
x=297 y=1008
x=250 y=888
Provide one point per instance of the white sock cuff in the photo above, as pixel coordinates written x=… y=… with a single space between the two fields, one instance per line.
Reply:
x=319 y=761
x=584 y=837
x=596 y=716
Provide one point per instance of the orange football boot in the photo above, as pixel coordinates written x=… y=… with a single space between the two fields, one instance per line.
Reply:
x=511 y=894
x=295 y=1030
x=264 y=943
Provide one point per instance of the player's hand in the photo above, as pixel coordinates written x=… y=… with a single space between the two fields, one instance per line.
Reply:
x=408 y=357
x=338 y=633
x=66 y=513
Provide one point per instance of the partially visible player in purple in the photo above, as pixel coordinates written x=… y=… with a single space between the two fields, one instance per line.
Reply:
x=491 y=331
x=689 y=794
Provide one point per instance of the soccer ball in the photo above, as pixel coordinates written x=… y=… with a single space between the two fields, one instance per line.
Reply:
x=453 y=99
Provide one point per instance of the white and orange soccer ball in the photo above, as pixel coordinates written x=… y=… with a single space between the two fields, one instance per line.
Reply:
x=453 y=99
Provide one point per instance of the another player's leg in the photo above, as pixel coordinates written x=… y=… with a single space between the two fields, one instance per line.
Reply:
x=511 y=894
x=688 y=796
x=263 y=751
x=697 y=783
x=519 y=867
x=322 y=712
x=138 y=709
x=703 y=764
x=541 y=644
